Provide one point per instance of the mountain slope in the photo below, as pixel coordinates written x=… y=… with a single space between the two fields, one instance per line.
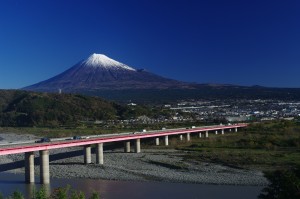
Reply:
x=102 y=76
x=99 y=72
x=22 y=108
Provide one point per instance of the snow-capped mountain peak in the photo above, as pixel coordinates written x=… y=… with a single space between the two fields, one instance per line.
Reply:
x=99 y=72
x=102 y=61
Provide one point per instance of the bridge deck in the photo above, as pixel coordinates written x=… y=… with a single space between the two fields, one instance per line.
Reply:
x=111 y=138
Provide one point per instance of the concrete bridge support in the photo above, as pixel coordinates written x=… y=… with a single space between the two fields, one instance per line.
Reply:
x=99 y=153
x=166 y=140
x=206 y=134
x=137 y=145
x=230 y=130
x=127 y=146
x=29 y=167
x=222 y=131
x=157 y=141
x=236 y=130
x=200 y=135
x=216 y=132
x=44 y=167
x=181 y=137
x=188 y=137
x=87 y=154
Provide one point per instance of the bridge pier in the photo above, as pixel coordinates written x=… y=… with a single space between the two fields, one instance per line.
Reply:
x=87 y=154
x=156 y=141
x=206 y=134
x=166 y=140
x=137 y=145
x=222 y=131
x=188 y=137
x=181 y=137
x=29 y=167
x=200 y=135
x=216 y=132
x=44 y=167
x=230 y=130
x=127 y=146
x=99 y=153
x=236 y=129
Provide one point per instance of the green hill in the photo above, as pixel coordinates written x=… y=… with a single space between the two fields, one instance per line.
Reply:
x=21 y=108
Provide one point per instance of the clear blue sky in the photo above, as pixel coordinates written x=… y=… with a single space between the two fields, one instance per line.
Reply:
x=244 y=42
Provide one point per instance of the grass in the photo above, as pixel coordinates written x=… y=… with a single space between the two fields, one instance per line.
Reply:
x=92 y=129
x=247 y=158
x=267 y=147
x=57 y=132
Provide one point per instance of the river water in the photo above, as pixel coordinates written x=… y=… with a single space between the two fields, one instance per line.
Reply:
x=133 y=190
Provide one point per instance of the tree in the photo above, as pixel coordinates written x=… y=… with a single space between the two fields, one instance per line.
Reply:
x=17 y=195
x=60 y=193
x=284 y=184
x=40 y=194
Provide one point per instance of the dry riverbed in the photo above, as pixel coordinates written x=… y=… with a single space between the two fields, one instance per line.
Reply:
x=150 y=165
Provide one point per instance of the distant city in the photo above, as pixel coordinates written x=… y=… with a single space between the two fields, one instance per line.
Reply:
x=220 y=111
x=240 y=110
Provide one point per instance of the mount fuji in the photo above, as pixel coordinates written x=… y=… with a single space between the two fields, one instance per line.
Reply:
x=99 y=72
x=99 y=75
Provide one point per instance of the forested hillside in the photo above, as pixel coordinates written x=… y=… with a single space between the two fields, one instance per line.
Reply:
x=21 y=108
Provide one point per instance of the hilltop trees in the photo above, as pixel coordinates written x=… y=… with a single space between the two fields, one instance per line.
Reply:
x=42 y=109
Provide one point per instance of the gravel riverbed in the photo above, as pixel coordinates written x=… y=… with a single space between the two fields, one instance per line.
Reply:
x=165 y=165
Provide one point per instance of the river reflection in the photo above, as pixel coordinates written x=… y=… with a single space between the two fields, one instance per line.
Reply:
x=132 y=190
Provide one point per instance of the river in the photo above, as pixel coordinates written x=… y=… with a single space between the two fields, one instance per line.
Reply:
x=133 y=190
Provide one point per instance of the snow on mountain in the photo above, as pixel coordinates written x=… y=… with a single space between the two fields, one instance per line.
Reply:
x=102 y=61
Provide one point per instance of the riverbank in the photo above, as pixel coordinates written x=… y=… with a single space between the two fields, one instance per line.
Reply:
x=166 y=165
